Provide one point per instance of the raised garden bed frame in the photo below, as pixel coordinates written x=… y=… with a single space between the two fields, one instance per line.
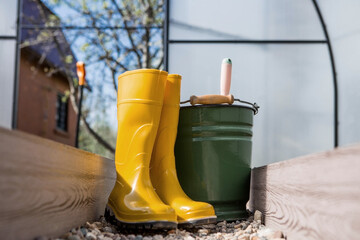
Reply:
x=47 y=188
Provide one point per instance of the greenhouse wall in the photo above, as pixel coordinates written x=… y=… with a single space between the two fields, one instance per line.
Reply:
x=291 y=78
x=8 y=16
x=343 y=23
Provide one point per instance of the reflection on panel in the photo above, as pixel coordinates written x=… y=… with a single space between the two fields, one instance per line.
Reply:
x=7 y=70
x=342 y=18
x=8 y=12
x=243 y=19
x=291 y=83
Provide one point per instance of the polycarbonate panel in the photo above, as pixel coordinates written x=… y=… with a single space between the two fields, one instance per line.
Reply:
x=8 y=13
x=7 y=71
x=291 y=83
x=343 y=23
x=243 y=19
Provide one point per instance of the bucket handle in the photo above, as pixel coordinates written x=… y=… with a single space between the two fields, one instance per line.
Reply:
x=218 y=99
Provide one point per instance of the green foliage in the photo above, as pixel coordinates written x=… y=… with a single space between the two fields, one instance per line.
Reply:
x=84 y=6
x=26 y=43
x=76 y=82
x=43 y=35
x=69 y=59
x=84 y=47
x=66 y=96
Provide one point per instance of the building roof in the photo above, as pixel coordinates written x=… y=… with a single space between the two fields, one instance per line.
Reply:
x=50 y=44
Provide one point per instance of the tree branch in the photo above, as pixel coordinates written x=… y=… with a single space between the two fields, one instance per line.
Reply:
x=128 y=31
x=147 y=48
x=97 y=136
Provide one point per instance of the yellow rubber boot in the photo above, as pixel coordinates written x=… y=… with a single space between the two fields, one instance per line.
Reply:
x=162 y=166
x=133 y=202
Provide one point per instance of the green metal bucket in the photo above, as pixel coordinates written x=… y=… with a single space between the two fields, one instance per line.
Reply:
x=213 y=156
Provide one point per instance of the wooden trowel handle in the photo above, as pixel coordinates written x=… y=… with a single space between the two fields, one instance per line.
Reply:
x=211 y=99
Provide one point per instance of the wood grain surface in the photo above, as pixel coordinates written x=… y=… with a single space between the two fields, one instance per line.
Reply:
x=311 y=197
x=47 y=188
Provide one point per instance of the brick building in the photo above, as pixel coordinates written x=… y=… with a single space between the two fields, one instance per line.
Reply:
x=43 y=109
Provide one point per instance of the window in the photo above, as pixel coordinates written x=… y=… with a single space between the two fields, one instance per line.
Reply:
x=61 y=112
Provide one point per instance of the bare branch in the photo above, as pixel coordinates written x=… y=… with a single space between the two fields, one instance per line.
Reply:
x=146 y=39
x=97 y=136
x=160 y=63
x=128 y=31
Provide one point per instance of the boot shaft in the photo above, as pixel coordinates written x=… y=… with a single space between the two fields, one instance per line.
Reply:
x=172 y=91
x=139 y=104
x=166 y=135
x=162 y=166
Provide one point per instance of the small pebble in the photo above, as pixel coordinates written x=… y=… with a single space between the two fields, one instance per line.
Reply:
x=109 y=234
x=138 y=237
x=100 y=237
x=97 y=224
x=131 y=236
x=189 y=238
x=158 y=237
x=244 y=225
x=230 y=224
x=257 y=216
x=84 y=231
x=248 y=229
x=96 y=231
x=210 y=226
x=107 y=229
x=244 y=237
x=123 y=237
x=237 y=226
x=203 y=232
x=221 y=224
x=90 y=236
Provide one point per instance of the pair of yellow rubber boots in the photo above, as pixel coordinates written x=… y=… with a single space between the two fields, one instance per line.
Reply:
x=147 y=193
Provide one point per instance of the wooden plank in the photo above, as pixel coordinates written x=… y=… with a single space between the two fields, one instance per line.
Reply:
x=47 y=188
x=311 y=197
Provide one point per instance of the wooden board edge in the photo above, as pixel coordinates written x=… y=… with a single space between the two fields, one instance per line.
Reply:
x=311 y=197
x=48 y=187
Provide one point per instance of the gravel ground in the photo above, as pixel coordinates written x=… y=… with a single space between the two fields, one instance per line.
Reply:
x=250 y=229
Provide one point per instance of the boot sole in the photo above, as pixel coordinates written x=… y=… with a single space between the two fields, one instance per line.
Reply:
x=149 y=225
x=197 y=222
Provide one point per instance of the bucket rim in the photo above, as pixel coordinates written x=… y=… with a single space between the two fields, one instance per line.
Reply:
x=221 y=105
